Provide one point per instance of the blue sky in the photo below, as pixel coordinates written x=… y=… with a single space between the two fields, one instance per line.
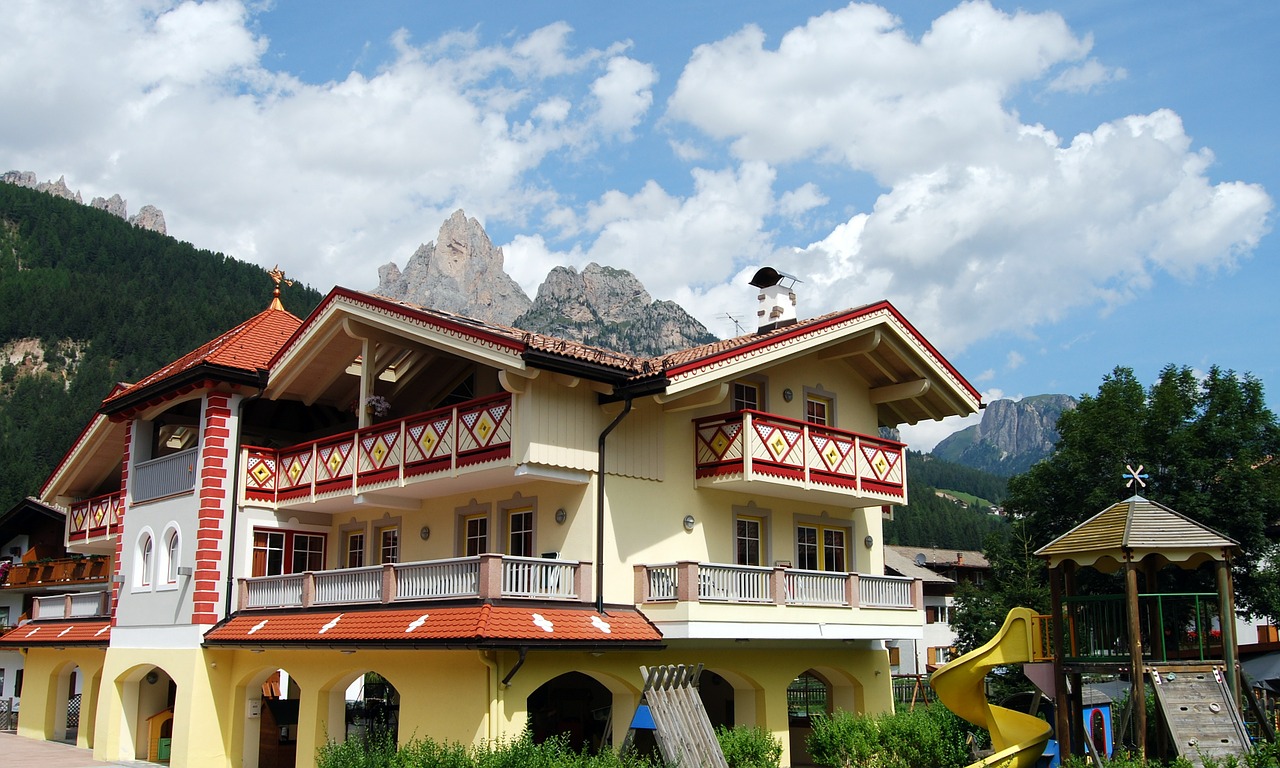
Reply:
x=1047 y=190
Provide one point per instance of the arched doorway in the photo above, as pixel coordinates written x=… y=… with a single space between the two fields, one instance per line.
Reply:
x=717 y=696
x=147 y=696
x=67 y=688
x=272 y=699
x=808 y=696
x=362 y=705
x=573 y=704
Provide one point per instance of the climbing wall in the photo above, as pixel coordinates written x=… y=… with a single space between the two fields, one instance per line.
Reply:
x=1203 y=719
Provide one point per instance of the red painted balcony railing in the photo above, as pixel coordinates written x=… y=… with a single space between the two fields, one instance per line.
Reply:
x=96 y=517
x=762 y=446
x=439 y=441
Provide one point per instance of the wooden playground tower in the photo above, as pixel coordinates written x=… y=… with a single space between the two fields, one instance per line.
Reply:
x=1144 y=632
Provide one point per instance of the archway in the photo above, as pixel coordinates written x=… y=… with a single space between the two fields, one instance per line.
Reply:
x=808 y=696
x=147 y=696
x=573 y=704
x=363 y=705
x=270 y=728
x=66 y=688
x=717 y=696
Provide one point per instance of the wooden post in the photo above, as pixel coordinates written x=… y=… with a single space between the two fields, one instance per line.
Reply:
x=1227 y=617
x=1138 y=693
x=1062 y=715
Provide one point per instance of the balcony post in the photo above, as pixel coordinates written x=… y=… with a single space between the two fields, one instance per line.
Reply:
x=582 y=581
x=641 y=582
x=388 y=582
x=66 y=606
x=852 y=594
x=490 y=576
x=746 y=445
x=308 y=589
x=778 y=585
x=687 y=581
x=242 y=592
x=917 y=594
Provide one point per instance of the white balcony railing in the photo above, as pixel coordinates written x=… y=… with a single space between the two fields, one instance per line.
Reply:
x=482 y=577
x=721 y=583
x=74 y=605
x=165 y=476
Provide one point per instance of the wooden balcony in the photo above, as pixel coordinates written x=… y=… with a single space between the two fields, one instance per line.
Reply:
x=74 y=605
x=716 y=600
x=57 y=572
x=96 y=519
x=761 y=453
x=482 y=577
x=445 y=443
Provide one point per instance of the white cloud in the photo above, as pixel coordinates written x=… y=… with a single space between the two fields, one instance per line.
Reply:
x=1014 y=360
x=624 y=93
x=804 y=198
x=1086 y=76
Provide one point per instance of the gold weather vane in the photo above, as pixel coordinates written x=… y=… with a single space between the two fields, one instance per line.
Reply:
x=277 y=275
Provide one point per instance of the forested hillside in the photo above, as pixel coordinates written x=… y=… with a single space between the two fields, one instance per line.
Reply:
x=90 y=300
x=931 y=520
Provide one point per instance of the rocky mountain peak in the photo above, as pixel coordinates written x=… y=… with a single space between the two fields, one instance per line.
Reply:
x=1011 y=437
x=461 y=272
x=149 y=217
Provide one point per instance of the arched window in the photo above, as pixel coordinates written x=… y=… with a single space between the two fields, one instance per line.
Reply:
x=172 y=556
x=145 y=552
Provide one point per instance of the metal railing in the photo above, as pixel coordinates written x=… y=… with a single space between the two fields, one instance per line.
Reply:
x=165 y=476
x=1176 y=626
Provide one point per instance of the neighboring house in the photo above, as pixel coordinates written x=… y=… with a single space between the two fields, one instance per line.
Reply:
x=389 y=516
x=34 y=563
x=940 y=570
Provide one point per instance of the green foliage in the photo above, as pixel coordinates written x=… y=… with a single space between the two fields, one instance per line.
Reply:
x=1209 y=445
x=1261 y=755
x=1017 y=578
x=379 y=750
x=131 y=300
x=932 y=521
x=924 y=736
x=749 y=747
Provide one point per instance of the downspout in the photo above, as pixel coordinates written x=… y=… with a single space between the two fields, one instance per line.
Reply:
x=235 y=486
x=600 y=504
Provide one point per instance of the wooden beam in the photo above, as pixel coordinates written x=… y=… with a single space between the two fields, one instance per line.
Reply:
x=901 y=391
x=698 y=399
x=858 y=345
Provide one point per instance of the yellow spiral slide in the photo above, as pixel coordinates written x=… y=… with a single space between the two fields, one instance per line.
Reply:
x=1017 y=738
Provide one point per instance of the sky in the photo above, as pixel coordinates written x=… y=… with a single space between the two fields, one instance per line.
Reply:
x=1046 y=190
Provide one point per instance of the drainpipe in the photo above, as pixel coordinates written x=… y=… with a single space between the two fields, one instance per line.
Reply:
x=235 y=486
x=600 y=504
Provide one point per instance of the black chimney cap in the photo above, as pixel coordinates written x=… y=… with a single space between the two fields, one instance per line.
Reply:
x=767 y=277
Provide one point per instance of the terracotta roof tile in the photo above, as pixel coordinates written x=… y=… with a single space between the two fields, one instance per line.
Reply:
x=88 y=632
x=247 y=347
x=434 y=624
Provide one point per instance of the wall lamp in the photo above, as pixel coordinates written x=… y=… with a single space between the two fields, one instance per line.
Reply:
x=689 y=522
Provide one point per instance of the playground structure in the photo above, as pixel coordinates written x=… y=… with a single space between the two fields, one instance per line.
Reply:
x=1182 y=642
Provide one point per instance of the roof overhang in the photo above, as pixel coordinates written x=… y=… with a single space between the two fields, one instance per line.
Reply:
x=910 y=381
x=90 y=459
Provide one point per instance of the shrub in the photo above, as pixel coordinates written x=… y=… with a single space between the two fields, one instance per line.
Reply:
x=380 y=751
x=749 y=747
x=925 y=736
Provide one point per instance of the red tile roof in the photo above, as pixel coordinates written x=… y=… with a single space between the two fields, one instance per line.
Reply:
x=247 y=347
x=484 y=624
x=44 y=633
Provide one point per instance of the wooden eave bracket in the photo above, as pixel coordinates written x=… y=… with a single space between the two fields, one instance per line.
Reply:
x=905 y=390
x=699 y=399
x=517 y=381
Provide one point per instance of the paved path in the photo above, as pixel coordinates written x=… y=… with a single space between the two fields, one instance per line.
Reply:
x=18 y=750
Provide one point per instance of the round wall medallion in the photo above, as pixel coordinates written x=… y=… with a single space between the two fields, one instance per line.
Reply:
x=425 y=533
x=787 y=394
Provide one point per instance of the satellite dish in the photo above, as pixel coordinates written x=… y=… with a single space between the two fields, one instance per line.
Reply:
x=920 y=559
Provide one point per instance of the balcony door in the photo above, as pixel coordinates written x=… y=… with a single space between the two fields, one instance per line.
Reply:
x=821 y=548
x=277 y=552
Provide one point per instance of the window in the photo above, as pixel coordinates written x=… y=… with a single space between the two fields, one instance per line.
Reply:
x=939 y=655
x=520 y=532
x=1 y=682
x=817 y=410
x=4 y=618
x=475 y=535
x=173 y=557
x=388 y=544
x=355 y=549
x=750 y=541
x=17 y=683
x=820 y=548
x=145 y=552
x=274 y=550
x=937 y=614
x=806 y=698
x=746 y=396
x=895 y=656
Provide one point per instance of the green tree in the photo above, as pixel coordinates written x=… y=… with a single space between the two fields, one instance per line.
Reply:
x=1211 y=449
x=1018 y=578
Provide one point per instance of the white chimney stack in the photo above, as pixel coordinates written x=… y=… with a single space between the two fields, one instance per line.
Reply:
x=777 y=299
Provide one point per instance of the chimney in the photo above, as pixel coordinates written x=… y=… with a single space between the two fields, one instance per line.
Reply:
x=959 y=558
x=777 y=299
